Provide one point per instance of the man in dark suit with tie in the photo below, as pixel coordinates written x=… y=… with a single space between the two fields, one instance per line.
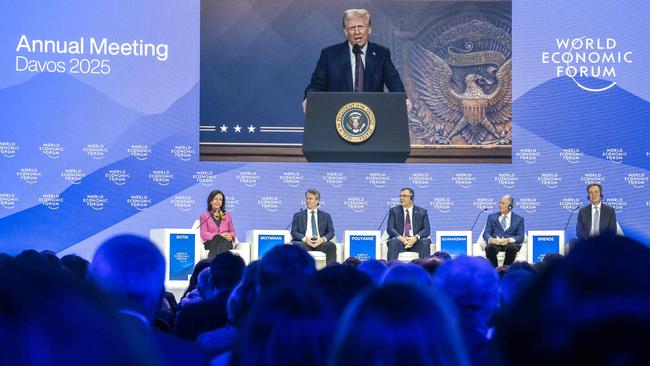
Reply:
x=408 y=227
x=312 y=229
x=356 y=64
x=596 y=218
x=504 y=232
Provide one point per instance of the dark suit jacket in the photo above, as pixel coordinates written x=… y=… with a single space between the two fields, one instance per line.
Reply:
x=299 y=225
x=607 y=221
x=420 y=222
x=494 y=229
x=334 y=70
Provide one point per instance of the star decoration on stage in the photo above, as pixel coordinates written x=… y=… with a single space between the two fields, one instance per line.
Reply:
x=251 y=129
x=237 y=129
x=224 y=128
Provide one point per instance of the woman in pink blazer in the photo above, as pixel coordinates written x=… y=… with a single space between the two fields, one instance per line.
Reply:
x=217 y=230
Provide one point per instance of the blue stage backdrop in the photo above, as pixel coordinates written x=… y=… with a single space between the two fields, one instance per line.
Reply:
x=100 y=116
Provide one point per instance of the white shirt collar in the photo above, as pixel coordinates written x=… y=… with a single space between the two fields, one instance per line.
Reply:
x=596 y=206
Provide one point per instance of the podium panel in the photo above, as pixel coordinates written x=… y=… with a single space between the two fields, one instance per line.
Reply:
x=262 y=241
x=542 y=242
x=362 y=244
x=181 y=249
x=356 y=127
x=454 y=242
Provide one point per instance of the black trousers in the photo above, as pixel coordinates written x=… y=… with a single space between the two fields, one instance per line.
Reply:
x=217 y=245
x=511 y=250
x=327 y=247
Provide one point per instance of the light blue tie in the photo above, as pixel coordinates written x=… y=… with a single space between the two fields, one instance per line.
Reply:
x=504 y=222
x=314 y=226
x=595 y=223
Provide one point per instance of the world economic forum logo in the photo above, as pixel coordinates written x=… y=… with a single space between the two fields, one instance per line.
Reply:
x=356 y=204
x=292 y=179
x=96 y=151
x=570 y=203
x=51 y=150
x=421 y=180
x=572 y=155
x=335 y=179
x=9 y=200
x=615 y=155
x=139 y=201
x=139 y=151
x=162 y=177
x=636 y=180
x=484 y=203
x=589 y=178
x=117 y=176
x=204 y=177
x=270 y=203
x=529 y=155
x=507 y=180
x=248 y=178
x=8 y=149
x=29 y=175
x=585 y=59
x=183 y=202
x=51 y=200
x=464 y=180
x=183 y=152
x=442 y=204
x=550 y=180
x=529 y=204
x=618 y=203
x=74 y=176
x=95 y=201
x=231 y=203
x=378 y=179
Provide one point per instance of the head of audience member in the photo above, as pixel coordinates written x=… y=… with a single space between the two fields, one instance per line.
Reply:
x=587 y=308
x=502 y=270
x=5 y=259
x=595 y=193
x=285 y=263
x=398 y=324
x=431 y=264
x=132 y=270
x=374 y=269
x=289 y=325
x=49 y=317
x=408 y=274
x=547 y=260
x=243 y=296
x=198 y=268
x=444 y=256
x=472 y=284
x=352 y=261
x=522 y=266
x=357 y=26
x=513 y=283
x=339 y=284
x=226 y=271
x=406 y=197
x=506 y=203
x=76 y=265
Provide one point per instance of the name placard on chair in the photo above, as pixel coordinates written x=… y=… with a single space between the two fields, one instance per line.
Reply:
x=542 y=242
x=362 y=244
x=454 y=242
x=262 y=241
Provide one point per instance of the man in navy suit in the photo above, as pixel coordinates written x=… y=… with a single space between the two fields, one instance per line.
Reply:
x=504 y=232
x=408 y=227
x=338 y=69
x=596 y=218
x=312 y=229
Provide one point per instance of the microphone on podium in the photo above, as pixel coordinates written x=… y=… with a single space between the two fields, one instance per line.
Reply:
x=356 y=49
x=384 y=219
x=477 y=216
x=569 y=220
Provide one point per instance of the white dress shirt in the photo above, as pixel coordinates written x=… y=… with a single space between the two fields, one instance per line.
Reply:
x=309 y=233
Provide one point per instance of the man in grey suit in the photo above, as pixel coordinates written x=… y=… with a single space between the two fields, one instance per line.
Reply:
x=596 y=218
x=504 y=232
x=408 y=227
x=312 y=229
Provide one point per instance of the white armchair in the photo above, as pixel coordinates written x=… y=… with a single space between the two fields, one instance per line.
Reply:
x=242 y=249
x=478 y=249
